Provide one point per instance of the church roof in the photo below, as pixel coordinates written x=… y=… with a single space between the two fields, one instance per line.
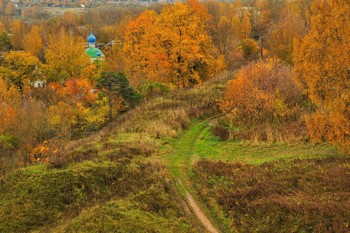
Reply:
x=91 y=38
x=94 y=52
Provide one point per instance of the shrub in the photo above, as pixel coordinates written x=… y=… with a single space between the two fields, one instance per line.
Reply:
x=249 y=48
x=263 y=102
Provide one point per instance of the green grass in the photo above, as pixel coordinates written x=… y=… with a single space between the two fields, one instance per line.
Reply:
x=198 y=143
x=210 y=147
x=179 y=160
x=37 y=197
x=124 y=216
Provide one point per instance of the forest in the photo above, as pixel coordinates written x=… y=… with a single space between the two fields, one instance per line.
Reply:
x=243 y=106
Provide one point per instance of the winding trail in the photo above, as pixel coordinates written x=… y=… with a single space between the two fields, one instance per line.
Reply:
x=179 y=164
x=199 y=213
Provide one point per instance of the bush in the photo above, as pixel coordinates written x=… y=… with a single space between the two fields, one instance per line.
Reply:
x=8 y=142
x=153 y=89
x=264 y=102
x=249 y=48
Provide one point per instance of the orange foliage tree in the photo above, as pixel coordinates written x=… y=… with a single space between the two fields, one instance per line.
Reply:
x=77 y=108
x=21 y=122
x=263 y=100
x=322 y=68
x=172 y=47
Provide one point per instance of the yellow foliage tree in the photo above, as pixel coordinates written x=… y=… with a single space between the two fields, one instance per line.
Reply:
x=2 y=28
x=246 y=27
x=322 y=68
x=144 y=55
x=10 y=98
x=10 y=8
x=18 y=31
x=65 y=56
x=32 y=42
x=21 y=69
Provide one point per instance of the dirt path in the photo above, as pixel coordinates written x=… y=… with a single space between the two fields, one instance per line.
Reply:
x=179 y=163
x=200 y=215
x=198 y=212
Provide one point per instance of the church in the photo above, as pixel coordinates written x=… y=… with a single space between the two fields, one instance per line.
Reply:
x=93 y=52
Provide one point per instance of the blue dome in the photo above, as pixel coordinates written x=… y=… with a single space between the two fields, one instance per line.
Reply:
x=91 y=38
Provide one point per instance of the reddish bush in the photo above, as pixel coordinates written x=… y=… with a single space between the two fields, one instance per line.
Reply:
x=263 y=101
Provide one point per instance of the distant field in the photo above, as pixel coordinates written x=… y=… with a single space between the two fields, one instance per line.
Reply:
x=58 y=11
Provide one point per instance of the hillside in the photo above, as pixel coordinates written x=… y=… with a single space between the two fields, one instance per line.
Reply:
x=139 y=174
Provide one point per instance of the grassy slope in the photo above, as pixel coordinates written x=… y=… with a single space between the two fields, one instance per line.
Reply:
x=210 y=147
x=38 y=198
x=107 y=176
x=198 y=143
x=269 y=187
x=113 y=178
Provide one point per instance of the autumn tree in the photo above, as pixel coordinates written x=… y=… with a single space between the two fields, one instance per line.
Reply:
x=172 y=47
x=18 y=30
x=70 y=20
x=322 y=69
x=76 y=109
x=10 y=9
x=263 y=101
x=2 y=6
x=2 y=27
x=20 y=69
x=249 y=48
x=65 y=56
x=224 y=26
x=33 y=43
x=289 y=28
x=115 y=59
x=144 y=56
x=267 y=13
x=188 y=45
x=245 y=26
x=10 y=98
x=21 y=120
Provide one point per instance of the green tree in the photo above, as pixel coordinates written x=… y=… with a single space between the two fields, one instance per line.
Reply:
x=5 y=42
x=116 y=87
